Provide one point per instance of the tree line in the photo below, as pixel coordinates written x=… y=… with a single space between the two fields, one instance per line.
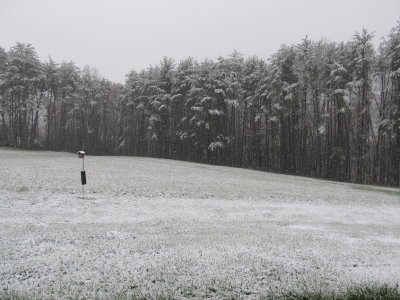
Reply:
x=321 y=109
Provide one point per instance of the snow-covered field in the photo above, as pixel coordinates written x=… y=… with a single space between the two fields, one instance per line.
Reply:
x=154 y=228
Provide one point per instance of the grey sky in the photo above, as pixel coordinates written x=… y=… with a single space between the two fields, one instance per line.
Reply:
x=117 y=36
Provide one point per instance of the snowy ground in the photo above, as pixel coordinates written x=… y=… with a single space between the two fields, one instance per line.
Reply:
x=152 y=227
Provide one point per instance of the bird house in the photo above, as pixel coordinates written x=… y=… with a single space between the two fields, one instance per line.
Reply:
x=81 y=154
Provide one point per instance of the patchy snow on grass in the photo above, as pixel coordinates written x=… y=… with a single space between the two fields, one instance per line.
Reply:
x=153 y=227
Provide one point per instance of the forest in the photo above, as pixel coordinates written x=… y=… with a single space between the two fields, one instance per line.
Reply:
x=317 y=108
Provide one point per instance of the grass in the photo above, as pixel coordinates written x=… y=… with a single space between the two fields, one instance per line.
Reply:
x=372 y=292
x=363 y=292
x=22 y=189
x=164 y=229
x=376 y=189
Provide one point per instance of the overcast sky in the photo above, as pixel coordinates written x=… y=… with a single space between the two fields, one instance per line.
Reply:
x=117 y=36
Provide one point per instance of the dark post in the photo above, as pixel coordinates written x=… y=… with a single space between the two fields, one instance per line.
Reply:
x=83 y=173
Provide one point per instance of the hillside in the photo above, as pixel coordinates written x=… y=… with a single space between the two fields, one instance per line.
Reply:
x=163 y=228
